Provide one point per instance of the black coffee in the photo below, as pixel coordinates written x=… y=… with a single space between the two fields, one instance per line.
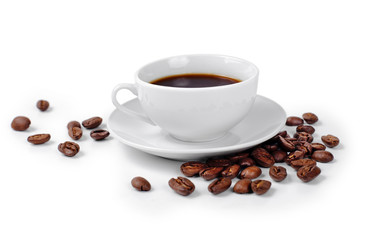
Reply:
x=194 y=80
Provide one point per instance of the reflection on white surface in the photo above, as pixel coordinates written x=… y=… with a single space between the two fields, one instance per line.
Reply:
x=178 y=62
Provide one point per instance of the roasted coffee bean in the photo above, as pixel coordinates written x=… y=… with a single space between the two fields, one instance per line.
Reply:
x=330 y=141
x=260 y=186
x=140 y=184
x=308 y=147
x=283 y=133
x=305 y=128
x=304 y=146
x=43 y=105
x=294 y=121
x=241 y=155
x=246 y=162
x=277 y=173
x=181 y=185
x=231 y=171
x=297 y=164
x=303 y=136
x=99 y=134
x=310 y=118
x=243 y=186
x=279 y=155
x=92 y=122
x=237 y=157
x=219 y=185
x=69 y=149
x=275 y=138
x=218 y=162
x=39 y=138
x=294 y=156
x=250 y=172
x=210 y=173
x=73 y=124
x=318 y=146
x=322 y=156
x=262 y=157
x=286 y=144
x=270 y=147
x=308 y=173
x=75 y=133
x=290 y=139
x=20 y=123
x=192 y=168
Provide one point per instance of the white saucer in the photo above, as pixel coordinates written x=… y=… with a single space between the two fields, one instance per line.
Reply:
x=265 y=119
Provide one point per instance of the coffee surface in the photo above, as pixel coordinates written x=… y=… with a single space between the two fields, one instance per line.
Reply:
x=194 y=80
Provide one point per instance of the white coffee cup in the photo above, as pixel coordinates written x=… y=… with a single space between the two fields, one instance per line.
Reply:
x=193 y=114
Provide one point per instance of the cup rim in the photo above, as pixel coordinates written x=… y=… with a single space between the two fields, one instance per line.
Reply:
x=148 y=84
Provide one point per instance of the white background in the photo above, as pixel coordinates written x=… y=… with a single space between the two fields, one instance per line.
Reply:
x=311 y=56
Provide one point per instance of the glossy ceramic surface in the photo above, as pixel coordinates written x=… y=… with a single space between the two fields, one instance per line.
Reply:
x=194 y=114
x=265 y=119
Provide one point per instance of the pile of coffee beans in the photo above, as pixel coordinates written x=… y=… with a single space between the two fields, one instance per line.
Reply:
x=298 y=151
x=69 y=149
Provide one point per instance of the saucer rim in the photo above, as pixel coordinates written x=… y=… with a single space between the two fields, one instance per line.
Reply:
x=244 y=146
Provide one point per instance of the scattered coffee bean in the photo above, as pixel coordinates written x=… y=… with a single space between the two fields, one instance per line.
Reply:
x=262 y=157
x=75 y=133
x=294 y=121
x=322 y=156
x=43 y=105
x=260 y=186
x=92 y=122
x=246 y=162
x=310 y=118
x=73 y=124
x=290 y=139
x=210 y=173
x=304 y=147
x=243 y=186
x=218 y=162
x=181 y=185
x=277 y=173
x=286 y=144
x=39 y=138
x=275 y=138
x=330 y=141
x=303 y=136
x=279 y=155
x=237 y=157
x=305 y=128
x=294 y=151
x=190 y=169
x=20 y=123
x=294 y=156
x=270 y=147
x=69 y=149
x=231 y=171
x=318 y=146
x=140 y=184
x=99 y=134
x=308 y=173
x=297 y=164
x=219 y=185
x=250 y=172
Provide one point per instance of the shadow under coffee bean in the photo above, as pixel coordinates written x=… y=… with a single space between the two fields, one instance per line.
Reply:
x=194 y=80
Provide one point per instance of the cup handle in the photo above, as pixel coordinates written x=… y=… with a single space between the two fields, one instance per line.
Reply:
x=122 y=108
